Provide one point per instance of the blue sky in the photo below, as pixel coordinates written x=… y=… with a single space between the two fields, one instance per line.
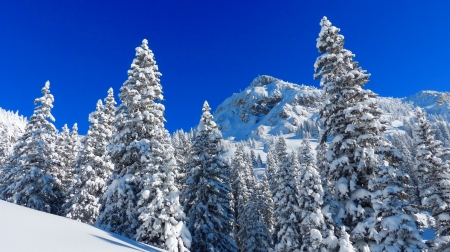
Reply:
x=207 y=50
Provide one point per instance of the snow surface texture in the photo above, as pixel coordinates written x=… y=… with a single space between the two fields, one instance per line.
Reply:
x=24 y=229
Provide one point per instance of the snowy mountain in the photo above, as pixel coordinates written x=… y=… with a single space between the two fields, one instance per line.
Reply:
x=24 y=229
x=270 y=106
x=432 y=102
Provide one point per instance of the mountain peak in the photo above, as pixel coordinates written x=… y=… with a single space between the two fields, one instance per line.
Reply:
x=262 y=80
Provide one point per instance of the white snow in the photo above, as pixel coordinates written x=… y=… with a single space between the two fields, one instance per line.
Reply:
x=24 y=229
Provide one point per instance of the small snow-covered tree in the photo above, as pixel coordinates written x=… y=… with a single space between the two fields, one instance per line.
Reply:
x=241 y=183
x=93 y=169
x=254 y=236
x=360 y=160
x=142 y=200
x=434 y=176
x=312 y=225
x=265 y=202
x=208 y=194
x=272 y=169
x=64 y=158
x=286 y=199
x=182 y=142
x=28 y=180
x=12 y=126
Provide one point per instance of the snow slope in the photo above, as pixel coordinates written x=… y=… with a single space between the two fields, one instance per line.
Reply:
x=24 y=229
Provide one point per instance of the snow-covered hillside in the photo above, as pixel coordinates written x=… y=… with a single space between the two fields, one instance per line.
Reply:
x=24 y=229
x=432 y=102
x=270 y=106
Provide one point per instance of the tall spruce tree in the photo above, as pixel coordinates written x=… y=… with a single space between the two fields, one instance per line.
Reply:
x=360 y=159
x=93 y=169
x=208 y=194
x=142 y=200
x=434 y=175
x=28 y=180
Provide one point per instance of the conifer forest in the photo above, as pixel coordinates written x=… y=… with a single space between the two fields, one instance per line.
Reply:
x=277 y=167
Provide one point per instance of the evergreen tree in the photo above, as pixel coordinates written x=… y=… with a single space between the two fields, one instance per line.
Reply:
x=93 y=169
x=28 y=179
x=271 y=170
x=182 y=142
x=360 y=160
x=241 y=184
x=254 y=236
x=287 y=219
x=434 y=175
x=142 y=200
x=64 y=157
x=265 y=202
x=208 y=195
x=312 y=225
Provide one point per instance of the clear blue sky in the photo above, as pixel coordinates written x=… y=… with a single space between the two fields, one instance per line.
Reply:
x=206 y=50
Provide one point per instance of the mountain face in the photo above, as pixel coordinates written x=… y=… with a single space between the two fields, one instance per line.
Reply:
x=433 y=102
x=270 y=106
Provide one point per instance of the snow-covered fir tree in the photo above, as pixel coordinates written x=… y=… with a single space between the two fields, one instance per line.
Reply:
x=28 y=180
x=254 y=236
x=63 y=150
x=12 y=126
x=75 y=142
x=242 y=184
x=208 y=194
x=182 y=142
x=142 y=201
x=272 y=169
x=286 y=200
x=361 y=162
x=433 y=173
x=265 y=202
x=93 y=169
x=311 y=194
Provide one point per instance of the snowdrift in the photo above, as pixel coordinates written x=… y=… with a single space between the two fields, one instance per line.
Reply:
x=24 y=229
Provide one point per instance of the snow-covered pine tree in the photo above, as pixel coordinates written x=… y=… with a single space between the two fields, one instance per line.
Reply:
x=265 y=202
x=93 y=169
x=208 y=194
x=259 y=162
x=360 y=160
x=434 y=176
x=182 y=142
x=12 y=126
x=64 y=155
x=286 y=210
x=254 y=236
x=142 y=200
x=28 y=180
x=75 y=143
x=241 y=184
x=311 y=194
x=272 y=169
x=254 y=159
